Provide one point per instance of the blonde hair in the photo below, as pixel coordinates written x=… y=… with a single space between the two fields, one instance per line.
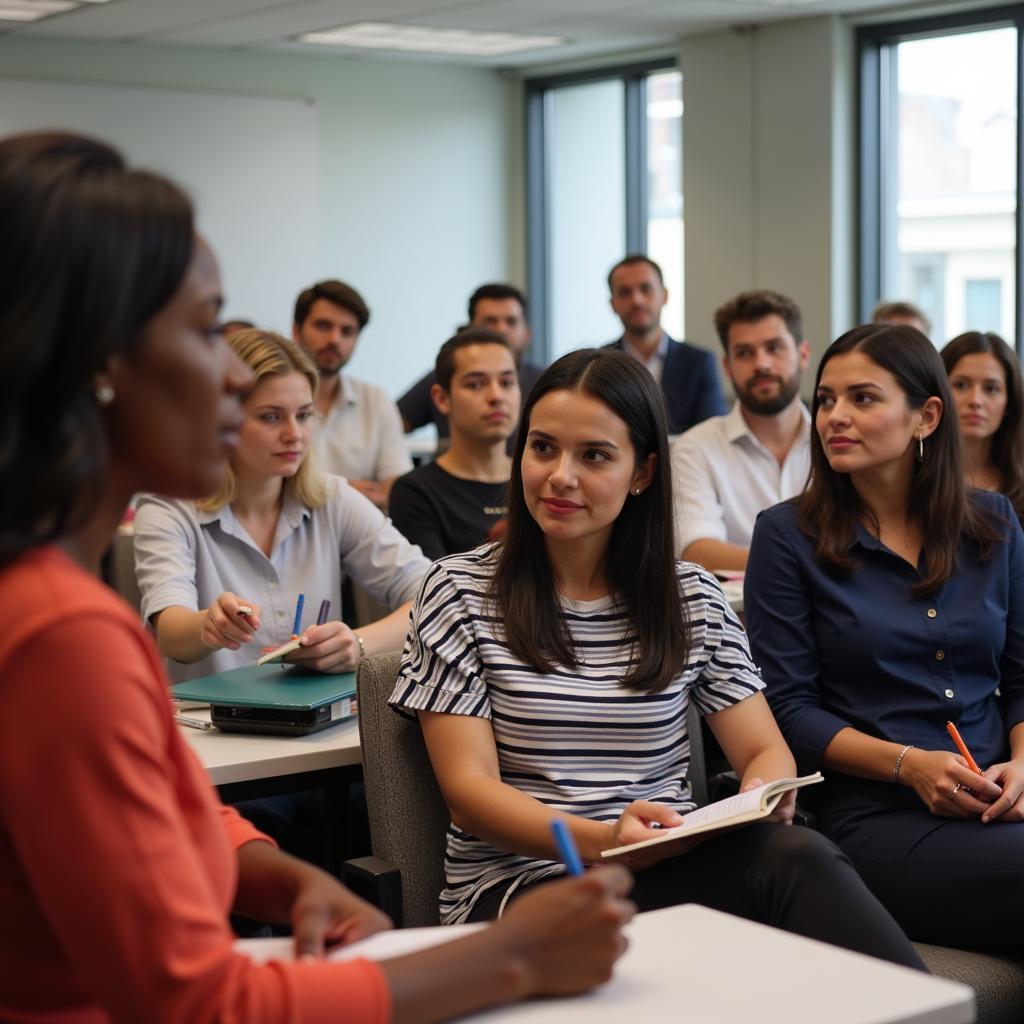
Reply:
x=268 y=354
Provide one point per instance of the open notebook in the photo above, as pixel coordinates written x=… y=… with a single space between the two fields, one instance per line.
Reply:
x=734 y=810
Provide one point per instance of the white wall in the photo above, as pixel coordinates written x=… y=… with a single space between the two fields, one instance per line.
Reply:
x=768 y=171
x=419 y=173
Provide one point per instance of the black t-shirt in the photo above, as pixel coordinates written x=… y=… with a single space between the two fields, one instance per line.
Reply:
x=444 y=514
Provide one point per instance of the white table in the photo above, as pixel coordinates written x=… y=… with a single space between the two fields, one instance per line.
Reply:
x=239 y=757
x=691 y=965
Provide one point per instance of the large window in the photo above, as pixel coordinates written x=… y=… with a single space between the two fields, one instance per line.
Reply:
x=940 y=171
x=604 y=179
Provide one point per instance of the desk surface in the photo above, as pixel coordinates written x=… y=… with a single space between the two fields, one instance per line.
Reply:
x=237 y=757
x=698 y=966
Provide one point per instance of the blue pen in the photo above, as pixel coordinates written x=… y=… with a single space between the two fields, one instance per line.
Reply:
x=325 y=610
x=298 y=615
x=566 y=847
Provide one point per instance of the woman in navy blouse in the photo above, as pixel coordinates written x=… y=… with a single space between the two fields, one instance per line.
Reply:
x=884 y=602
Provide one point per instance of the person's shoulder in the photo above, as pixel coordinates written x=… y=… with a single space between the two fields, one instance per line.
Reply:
x=697 y=436
x=700 y=590
x=785 y=514
x=368 y=392
x=153 y=506
x=997 y=509
x=467 y=574
x=687 y=351
x=416 y=481
x=44 y=588
x=425 y=383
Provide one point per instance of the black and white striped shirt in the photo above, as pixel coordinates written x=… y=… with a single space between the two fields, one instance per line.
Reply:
x=573 y=738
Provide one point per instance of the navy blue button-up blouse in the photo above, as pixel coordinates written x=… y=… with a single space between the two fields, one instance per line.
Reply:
x=863 y=651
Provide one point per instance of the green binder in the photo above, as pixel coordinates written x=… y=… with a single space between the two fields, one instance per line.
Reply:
x=272 y=699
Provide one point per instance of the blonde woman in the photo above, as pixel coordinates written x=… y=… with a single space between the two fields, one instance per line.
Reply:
x=220 y=577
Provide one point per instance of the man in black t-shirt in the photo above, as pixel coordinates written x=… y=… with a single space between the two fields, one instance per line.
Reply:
x=456 y=502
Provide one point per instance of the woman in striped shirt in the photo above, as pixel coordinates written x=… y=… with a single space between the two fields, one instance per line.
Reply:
x=551 y=676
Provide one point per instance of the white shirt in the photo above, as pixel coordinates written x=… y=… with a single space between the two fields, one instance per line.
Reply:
x=722 y=476
x=656 y=362
x=361 y=437
x=187 y=558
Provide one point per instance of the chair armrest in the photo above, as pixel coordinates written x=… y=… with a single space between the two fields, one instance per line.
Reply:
x=378 y=882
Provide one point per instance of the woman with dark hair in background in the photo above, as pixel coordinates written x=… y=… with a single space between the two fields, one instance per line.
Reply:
x=118 y=866
x=882 y=603
x=984 y=376
x=551 y=676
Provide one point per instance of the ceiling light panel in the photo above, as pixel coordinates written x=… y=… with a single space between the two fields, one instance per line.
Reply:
x=374 y=35
x=33 y=10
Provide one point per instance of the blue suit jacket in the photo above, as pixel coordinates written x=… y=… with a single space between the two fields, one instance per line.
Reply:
x=690 y=385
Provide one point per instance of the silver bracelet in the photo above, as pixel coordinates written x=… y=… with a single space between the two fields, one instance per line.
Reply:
x=899 y=761
x=362 y=647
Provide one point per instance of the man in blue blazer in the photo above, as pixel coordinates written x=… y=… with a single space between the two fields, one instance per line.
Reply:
x=688 y=375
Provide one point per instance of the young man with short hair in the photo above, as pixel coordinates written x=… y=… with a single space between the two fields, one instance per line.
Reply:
x=500 y=307
x=728 y=468
x=687 y=374
x=360 y=432
x=456 y=502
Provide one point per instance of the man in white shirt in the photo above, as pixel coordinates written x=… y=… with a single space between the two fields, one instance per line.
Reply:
x=360 y=431
x=728 y=468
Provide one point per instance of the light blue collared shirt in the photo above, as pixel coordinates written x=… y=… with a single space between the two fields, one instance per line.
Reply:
x=186 y=558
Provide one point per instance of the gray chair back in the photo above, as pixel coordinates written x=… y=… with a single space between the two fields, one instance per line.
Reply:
x=408 y=816
x=122 y=568
x=698 y=774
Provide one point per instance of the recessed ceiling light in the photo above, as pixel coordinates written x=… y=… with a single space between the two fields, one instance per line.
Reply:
x=375 y=35
x=33 y=10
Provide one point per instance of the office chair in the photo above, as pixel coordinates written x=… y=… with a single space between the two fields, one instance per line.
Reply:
x=408 y=816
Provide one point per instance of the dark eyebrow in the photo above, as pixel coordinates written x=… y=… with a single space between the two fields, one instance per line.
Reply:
x=580 y=444
x=852 y=387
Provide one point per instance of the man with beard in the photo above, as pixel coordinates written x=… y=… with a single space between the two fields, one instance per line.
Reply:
x=729 y=468
x=359 y=435
x=687 y=375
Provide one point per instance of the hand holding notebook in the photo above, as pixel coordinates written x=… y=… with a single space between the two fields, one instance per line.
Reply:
x=750 y=806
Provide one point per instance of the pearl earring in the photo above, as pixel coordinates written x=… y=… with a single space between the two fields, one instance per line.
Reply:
x=104 y=394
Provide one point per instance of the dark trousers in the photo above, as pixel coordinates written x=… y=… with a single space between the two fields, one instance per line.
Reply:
x=785 y=876
x=948 y=881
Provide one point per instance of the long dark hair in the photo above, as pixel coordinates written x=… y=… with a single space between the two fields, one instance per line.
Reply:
x=1008 y=440
x=640 y=560
x=89 y=251
x=830 y=507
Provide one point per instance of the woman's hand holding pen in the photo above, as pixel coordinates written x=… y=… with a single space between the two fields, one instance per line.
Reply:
x=946 y=785
x=1009 y=776
x=328 y=647
x=230 y=622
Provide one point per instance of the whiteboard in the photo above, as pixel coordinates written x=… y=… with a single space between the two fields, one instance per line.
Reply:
x=251 y=165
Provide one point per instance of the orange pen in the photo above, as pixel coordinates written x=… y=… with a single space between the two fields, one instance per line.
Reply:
x=962 y=747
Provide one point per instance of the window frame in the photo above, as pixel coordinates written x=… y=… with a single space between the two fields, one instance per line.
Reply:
x=538 y=240
x=876 y=87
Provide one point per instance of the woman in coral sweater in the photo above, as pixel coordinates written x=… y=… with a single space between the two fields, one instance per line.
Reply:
x=118 y=866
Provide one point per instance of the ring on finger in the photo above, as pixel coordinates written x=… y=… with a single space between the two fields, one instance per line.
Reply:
x=956 y=789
